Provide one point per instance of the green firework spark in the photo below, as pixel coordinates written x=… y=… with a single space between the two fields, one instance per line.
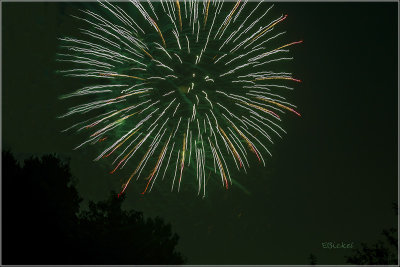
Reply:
x=179 y=87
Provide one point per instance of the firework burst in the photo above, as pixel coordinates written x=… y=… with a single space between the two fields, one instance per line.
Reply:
x=180 y=87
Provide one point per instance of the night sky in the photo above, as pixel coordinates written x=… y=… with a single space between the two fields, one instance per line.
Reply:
x=333 y=177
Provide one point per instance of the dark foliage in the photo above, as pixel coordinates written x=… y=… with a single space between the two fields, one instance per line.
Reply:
x=312 y=259
x=143 y=241
x=42 y=223
x=379 y=253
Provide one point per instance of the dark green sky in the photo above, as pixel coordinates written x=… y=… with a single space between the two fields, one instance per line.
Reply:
x=332 y=178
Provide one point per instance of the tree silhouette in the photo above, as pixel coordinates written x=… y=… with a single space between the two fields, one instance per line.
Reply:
x=39 y=210
x=382 y=252
x=106 y=227
x=42 y=223
x=312 y=259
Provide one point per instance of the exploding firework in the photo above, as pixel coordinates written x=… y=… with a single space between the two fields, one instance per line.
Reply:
x=179 y=87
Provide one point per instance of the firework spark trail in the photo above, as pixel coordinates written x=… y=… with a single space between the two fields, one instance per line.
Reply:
x=216 y=82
